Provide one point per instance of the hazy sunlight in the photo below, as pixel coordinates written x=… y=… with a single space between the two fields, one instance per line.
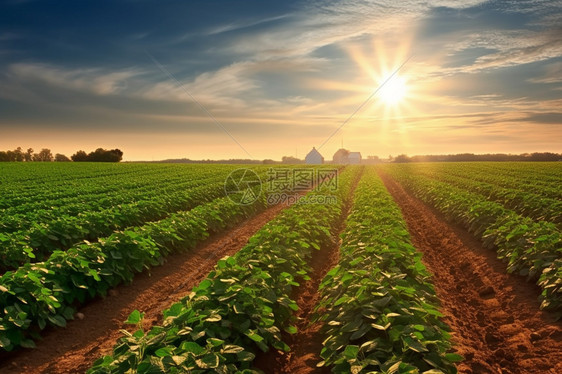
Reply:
x=393 y=91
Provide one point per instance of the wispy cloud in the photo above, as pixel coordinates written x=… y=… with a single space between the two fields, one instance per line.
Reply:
x=94 y=80
x=244 y=24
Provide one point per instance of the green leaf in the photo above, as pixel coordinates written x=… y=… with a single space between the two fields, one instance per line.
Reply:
x=215 y=342
x=134 y=317
x=192 y=347
x=27 y=343
x=57 y=320
x=163 y=352
x=204 y=284
x=209 y=361
x=351 y=351
x=291 y=329
x=254 y=336
x=394 y=368
x=4 y=342
x=245 y=356
x=231 y=349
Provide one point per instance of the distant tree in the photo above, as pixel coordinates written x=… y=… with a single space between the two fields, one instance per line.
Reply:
x=545 y=156
x=28 y=156
x=4 y=156
x=79 y=156
x=268 y=161
x=19 y=155
x=44 y=156
x=291 y=160
x=99 y=155
x=61 y=158
x=103 y=155
x=402 y=158
x=11 y=155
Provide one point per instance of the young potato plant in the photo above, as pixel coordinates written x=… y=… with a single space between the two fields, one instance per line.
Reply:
x=378 y=307
x=39 y=241
x=524 y=202
x=46 y=293
x=243 y=304
x=530 y=248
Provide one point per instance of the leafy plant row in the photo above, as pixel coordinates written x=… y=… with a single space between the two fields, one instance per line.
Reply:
x=46 y=293
x=524 y=177
x=544 y=172
x=242 y=306
x=25 y=183
x=378 y=307
x=23 y=216
x=42 y=239
x=526 y=203
x=532 y=249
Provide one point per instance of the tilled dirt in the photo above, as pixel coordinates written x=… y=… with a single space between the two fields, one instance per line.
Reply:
x=73 y=349
x=495 y=317
x=306 y=344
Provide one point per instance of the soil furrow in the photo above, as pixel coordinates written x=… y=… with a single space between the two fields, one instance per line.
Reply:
x=306 y=344
x=73 y=349
x=495 y=316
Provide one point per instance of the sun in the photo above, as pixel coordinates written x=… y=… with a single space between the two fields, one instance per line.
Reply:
x=394 y=90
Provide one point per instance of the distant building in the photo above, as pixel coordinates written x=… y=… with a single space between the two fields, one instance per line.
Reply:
x=314 y=157
x=354 y=157
x=343 y=156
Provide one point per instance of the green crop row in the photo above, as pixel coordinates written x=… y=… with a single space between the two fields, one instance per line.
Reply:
x=26 y=183
x=378 y=307
x=532 y=249
x=38 y=242
x=42 y=239
x=539 y=178
x=526 y=203
x=46 y=293
x=126 y=191
x=241 y=307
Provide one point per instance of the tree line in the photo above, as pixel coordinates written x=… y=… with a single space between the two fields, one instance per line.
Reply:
x=45 y=155
x=537 y=156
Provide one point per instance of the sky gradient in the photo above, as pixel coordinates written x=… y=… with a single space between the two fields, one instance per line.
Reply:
x=280 y=77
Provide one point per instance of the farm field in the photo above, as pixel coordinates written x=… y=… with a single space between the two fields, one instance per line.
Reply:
x=410 y=268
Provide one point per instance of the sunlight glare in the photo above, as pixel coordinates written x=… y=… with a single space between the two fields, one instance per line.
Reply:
x=394 y=90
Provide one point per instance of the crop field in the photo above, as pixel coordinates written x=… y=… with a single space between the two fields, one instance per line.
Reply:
x=168 y=268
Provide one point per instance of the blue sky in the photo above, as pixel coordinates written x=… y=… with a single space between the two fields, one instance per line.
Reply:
x=280 y=76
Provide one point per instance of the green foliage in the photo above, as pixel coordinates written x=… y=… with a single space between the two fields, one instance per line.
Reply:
x=40 y=239
x=532 y=248
x=45 y=293
x=241 y=307
x=378 y=306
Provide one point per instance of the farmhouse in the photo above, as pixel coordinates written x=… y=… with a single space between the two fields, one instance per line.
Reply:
x=343 y=156
x=314 y=157
x=354 y=157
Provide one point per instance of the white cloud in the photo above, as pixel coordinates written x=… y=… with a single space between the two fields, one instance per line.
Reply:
x=92 y=80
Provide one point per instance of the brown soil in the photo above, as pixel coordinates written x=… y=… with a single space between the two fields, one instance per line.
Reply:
x=306 y=344
x=74 y=348
x=495 y=317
